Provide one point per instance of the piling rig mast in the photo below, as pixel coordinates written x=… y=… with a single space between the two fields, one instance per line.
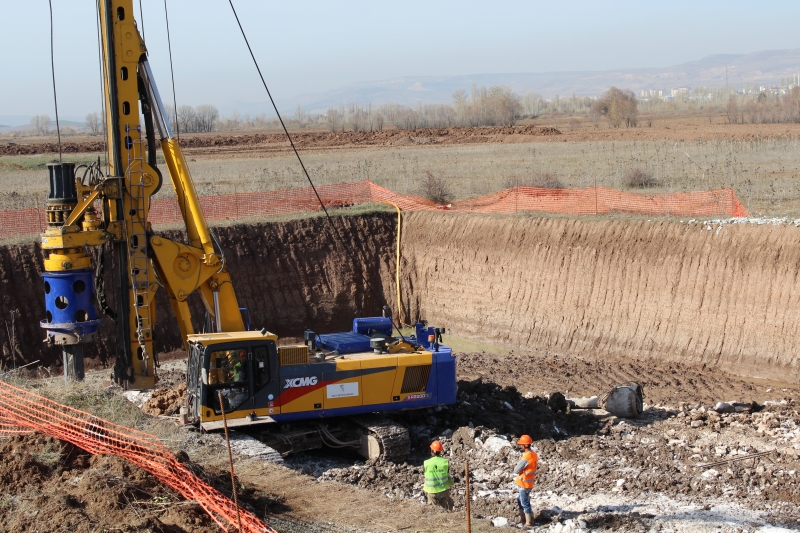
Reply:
x=143 y=262
x=295 y=397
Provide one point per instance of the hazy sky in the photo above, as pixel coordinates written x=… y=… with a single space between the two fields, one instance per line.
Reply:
x=306 y=46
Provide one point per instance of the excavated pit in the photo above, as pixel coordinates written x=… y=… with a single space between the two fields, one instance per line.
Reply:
x=585 y=304
x=722 y=297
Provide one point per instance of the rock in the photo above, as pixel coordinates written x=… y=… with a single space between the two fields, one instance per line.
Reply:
x=500 y=521
x=495 y=444
x=557 y=402
x=724 y=407
x=697 y=423
x=710 y=474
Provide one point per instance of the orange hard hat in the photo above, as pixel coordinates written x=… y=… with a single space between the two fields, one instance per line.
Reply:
x=525 y=439
x=436 y=446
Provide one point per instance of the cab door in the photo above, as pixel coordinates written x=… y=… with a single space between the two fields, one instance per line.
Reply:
x=264 y=377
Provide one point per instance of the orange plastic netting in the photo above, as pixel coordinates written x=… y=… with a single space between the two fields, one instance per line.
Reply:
x=22 y=411
x=576 y=201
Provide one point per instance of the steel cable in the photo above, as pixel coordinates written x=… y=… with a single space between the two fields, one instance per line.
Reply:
x=53 y=71
x=336 y=233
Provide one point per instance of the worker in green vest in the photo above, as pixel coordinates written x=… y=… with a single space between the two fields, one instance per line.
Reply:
x=437 y=478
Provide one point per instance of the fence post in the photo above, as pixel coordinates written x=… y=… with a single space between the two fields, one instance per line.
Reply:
x=236 y=200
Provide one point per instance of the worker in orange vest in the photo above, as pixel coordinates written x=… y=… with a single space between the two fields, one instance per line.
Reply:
x=524 y=476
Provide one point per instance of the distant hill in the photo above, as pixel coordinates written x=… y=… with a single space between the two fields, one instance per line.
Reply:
x=765 y=68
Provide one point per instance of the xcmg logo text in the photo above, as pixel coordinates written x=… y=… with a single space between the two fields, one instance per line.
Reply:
x=300 y=382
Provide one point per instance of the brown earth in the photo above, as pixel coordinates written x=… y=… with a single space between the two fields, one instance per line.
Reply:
x=48 y=485
x=290 y=275
x=723 y=299
x=544 y=129
x=277 y=142
x=719 y=296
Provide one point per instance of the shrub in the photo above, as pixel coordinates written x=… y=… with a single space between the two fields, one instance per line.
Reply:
x=618 y=106
x=435 y=189
x=639 y=178
x=542 y=180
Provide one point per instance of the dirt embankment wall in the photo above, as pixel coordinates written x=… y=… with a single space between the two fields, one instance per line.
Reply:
x=728 y=298
x=290 y=275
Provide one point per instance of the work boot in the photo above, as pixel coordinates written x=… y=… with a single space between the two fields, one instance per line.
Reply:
x=528 y=519
x=522 y=515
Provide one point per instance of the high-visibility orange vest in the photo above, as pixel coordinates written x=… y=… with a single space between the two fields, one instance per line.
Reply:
x=526 y=478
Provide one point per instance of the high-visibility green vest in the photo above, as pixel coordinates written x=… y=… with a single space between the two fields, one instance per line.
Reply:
x=437 y=475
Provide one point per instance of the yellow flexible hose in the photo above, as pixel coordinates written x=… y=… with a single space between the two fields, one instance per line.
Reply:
x=397 y=267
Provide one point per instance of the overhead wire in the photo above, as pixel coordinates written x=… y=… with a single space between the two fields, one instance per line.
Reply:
x=336 y=233
x=102 y=85
x=53 y=71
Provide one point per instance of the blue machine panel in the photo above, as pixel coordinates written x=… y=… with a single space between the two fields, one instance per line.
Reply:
x=71 y=317
x=347 y=342
x=370 y=325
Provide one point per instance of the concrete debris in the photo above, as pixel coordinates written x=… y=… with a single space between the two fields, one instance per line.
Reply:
x=592 y=402
x=495 y=444
x=500 y=521
x=624 y=401
x=138 y=398
x=607 y=473
x=249 y=446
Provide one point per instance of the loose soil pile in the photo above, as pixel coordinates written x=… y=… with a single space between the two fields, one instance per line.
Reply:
x=48 y=485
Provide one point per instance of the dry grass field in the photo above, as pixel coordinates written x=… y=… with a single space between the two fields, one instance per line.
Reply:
x=763 y=167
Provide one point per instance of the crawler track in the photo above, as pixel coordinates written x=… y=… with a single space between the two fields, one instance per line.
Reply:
x=393 y=437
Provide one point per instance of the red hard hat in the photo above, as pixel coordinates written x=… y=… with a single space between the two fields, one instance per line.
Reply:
x=436 y=446
x=525 y=439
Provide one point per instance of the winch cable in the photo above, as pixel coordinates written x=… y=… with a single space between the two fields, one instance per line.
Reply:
x=53 y=71
x=141 y=17
x=336 y=233
x=102 y=84
x=172 y=73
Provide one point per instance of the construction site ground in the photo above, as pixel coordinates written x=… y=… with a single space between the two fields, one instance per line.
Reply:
x=597 y=472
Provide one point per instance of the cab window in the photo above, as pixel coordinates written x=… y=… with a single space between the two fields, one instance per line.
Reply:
x=228 y=366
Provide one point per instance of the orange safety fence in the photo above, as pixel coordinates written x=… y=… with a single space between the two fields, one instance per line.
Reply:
x=575 y=201
x=23 y=411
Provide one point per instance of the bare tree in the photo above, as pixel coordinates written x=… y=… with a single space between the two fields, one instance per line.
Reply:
x=300 y=116
x=40 y=124
x=187 y=118
x=332 y=118
x=732 y=111
x=94 y=123
x=205 y=116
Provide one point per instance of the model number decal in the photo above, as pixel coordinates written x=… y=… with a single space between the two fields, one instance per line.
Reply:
x=300 y=382
x=411 y=397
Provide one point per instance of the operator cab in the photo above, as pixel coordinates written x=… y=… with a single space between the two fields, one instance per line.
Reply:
x=242 y=366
